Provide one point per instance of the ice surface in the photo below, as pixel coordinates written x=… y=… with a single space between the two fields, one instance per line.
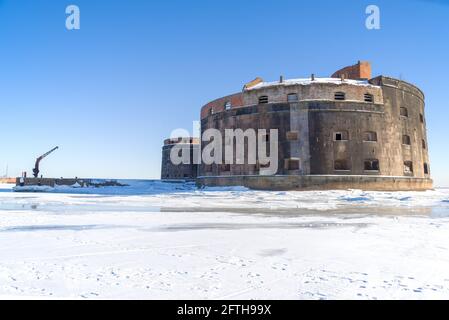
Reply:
x=155 y=240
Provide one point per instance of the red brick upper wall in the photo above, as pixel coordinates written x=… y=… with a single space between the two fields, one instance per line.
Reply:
x=359 y=71
x=219 y=104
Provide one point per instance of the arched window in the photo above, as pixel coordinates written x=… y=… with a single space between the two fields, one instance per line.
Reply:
x=421 y=118
x=403 y=111
x=369 y=97
x=292 y=97
x=228 y=105
x=370 y=136
x=340 y=96
x=424 y=146
x=406 y=140
x=263 y=99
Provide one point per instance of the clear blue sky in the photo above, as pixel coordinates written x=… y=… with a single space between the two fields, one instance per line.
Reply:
x=109 y=93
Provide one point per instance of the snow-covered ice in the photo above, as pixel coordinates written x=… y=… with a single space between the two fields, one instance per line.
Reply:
x=155 y=240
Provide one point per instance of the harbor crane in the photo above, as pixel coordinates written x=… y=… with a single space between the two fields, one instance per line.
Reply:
x=38 y=161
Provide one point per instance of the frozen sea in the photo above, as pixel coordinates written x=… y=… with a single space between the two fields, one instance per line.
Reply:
x=155 y=240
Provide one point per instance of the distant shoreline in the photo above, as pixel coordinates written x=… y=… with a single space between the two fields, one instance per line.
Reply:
x=8 y=180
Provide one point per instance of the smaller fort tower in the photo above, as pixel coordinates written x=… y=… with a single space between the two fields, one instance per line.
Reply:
x=186 y=171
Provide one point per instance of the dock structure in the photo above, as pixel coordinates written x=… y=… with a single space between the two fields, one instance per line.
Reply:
x=55 y=182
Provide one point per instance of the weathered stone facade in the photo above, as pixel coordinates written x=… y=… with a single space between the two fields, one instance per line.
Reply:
x=187 y=171
x=372 y=132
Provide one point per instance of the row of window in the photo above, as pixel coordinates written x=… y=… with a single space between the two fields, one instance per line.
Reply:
x=339 y=165
x=373 y=165
x=252 y=109
x=368 y=136
x=369 y=165
x=293 y=97
x=176 y=176
x=403 y=111
x=344 y=136
x=371 y=136
x=406 y=140
x=227 y=167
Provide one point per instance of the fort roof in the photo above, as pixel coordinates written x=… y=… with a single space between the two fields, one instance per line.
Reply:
x=309 y=81
x=357 y=74
x=182 y=140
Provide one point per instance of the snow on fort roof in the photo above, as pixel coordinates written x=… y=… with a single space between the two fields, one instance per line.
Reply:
x=308 y=81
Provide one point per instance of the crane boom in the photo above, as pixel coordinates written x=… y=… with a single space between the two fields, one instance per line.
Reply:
x=39 y=159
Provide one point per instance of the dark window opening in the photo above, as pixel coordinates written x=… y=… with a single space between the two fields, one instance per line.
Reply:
x=408 y=167
x=406 y=140
x=292 y=135
x=228 y=105
x=369 y=97
x=226 y=167
x=292 y=164
x=371 y=165
x=263 y=99
x=341 y=165
x=292 y=97
x=421 y=118
x=404 y=112
x=370 y=136
x=340 y=96
x=341 y=136
x=426 y=168
x=424 y=144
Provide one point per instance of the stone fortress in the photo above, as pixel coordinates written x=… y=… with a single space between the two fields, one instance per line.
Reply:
x=346 y=131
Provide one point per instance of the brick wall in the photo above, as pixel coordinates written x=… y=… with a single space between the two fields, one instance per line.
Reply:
x=218 y=105
x=361 y=70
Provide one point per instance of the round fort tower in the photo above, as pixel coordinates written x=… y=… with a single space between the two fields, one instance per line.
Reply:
x=183 y=171
x=347 y=131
